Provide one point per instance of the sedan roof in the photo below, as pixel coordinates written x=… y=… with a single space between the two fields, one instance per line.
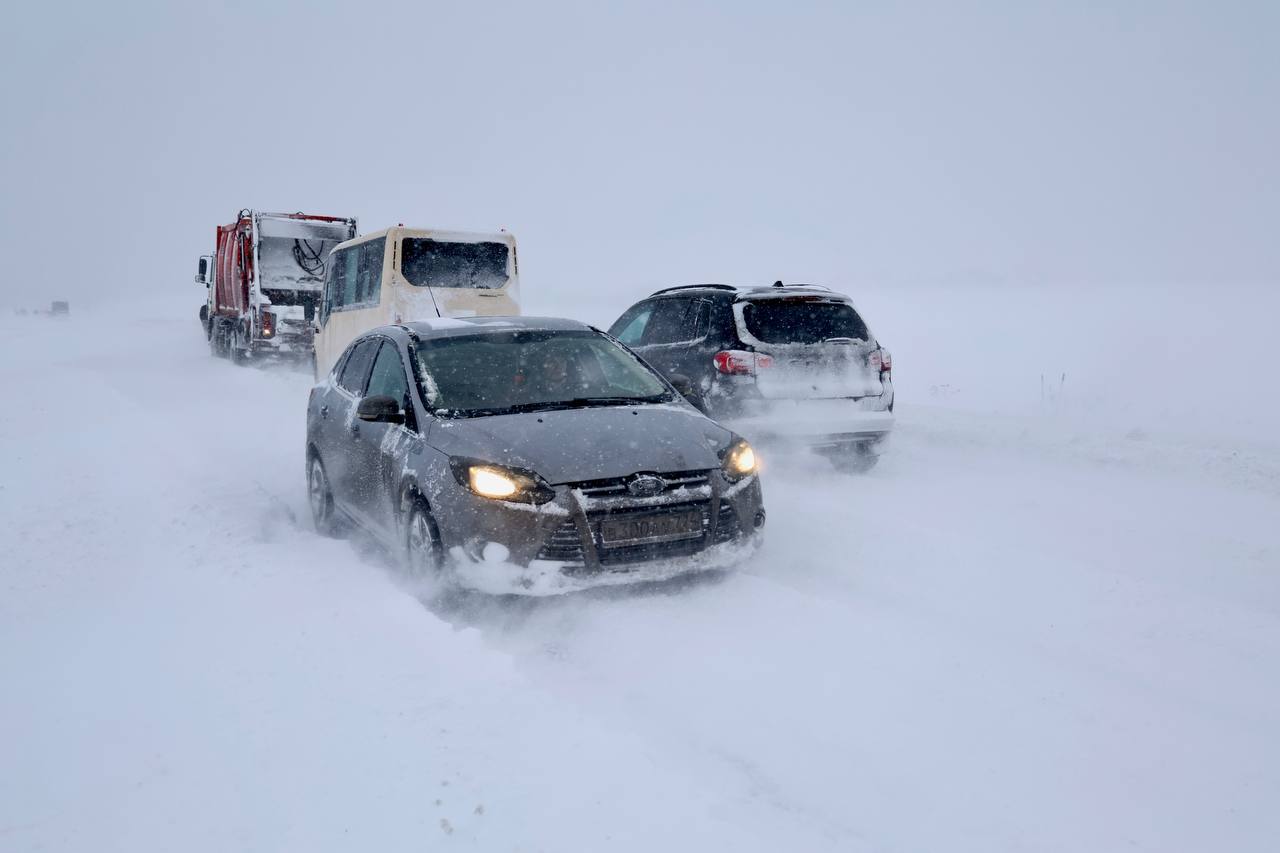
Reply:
x=448 y=327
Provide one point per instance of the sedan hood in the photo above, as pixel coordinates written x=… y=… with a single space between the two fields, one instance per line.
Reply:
x=571 y=445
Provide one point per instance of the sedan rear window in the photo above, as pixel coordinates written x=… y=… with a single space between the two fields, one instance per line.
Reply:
x=802 y=321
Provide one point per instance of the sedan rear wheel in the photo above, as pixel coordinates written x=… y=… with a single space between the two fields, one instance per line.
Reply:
x=320 y=497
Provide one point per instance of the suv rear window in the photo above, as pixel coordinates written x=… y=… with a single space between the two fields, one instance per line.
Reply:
x=802 y=321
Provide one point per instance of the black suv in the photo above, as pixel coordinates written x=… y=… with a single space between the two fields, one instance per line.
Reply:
x=787 y=362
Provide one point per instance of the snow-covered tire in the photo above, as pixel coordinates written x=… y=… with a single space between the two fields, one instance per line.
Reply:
x=423 y=554
x=320 y=498
x=239 y=354
x=217 y=340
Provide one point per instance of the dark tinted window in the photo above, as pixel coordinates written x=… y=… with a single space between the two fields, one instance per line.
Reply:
x=676 y=320
x=388 y=375
x=357 y=366
x=436 y=263
x=802 y=321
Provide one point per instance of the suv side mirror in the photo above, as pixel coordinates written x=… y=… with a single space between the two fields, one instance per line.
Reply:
x=202 y=270
x=380 y=409
x=683 y=384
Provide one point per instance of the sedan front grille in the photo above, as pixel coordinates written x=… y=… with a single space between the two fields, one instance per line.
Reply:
x=614 y=487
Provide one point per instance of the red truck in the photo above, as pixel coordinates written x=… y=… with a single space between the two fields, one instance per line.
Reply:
x=265 y=280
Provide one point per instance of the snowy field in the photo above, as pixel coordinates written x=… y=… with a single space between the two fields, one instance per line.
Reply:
x=1050 y=620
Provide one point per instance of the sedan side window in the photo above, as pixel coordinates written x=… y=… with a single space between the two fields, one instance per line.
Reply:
x=388 y=375
x=357 y=366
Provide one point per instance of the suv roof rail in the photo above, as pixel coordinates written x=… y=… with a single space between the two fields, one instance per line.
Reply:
x=801 y=286
x=695 y=287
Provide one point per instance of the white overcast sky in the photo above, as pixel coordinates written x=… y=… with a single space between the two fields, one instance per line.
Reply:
x=630 y=146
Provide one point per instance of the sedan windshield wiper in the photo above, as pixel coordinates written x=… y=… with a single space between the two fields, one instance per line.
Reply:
x=551 y=405
x=583 y=402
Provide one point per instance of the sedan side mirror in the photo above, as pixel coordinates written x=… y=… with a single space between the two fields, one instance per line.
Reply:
x=380 y=409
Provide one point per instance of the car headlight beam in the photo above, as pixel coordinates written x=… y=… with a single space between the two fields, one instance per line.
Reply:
x=500 y=483
x=491 y=483
x=740 y=461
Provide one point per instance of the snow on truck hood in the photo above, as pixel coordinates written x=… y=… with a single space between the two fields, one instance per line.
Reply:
x=570 y=445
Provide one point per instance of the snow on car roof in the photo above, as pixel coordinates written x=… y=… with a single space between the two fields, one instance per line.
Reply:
x=452 y=326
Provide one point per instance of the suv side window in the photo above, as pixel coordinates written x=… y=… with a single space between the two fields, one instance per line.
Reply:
x=677 y=320
x=630 y=326
x=356 y=367
x=388 y=375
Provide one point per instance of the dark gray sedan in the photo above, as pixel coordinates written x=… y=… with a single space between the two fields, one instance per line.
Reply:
x=525 y=455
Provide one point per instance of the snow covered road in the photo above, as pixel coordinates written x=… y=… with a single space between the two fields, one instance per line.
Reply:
x=1012 y=635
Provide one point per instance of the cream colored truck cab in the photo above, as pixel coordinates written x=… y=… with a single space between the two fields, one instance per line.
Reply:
x=403 y=274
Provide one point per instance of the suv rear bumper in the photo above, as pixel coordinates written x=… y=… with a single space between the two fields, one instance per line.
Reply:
x=816 y=422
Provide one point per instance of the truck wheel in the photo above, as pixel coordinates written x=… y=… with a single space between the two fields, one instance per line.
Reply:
x=239 y=353
x=320 y=498
x=217 y=340
x=422 y=549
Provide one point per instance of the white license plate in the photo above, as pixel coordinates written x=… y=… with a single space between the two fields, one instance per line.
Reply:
x=644 y=529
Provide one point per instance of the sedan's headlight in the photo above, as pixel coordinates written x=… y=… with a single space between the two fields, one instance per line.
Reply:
x=501 y=483
x=491 y=482
x=739 y=461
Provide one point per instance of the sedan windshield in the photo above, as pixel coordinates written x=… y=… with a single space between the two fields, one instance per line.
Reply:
x=520 y=371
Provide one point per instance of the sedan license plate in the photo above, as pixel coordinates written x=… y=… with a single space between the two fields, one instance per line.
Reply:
x=644 y=529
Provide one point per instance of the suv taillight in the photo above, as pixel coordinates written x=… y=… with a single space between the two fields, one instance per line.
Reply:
x=880 y=360
x=737 y=362
x=268 y=324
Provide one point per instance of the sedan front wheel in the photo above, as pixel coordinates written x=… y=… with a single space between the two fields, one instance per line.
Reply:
x=421 y=544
